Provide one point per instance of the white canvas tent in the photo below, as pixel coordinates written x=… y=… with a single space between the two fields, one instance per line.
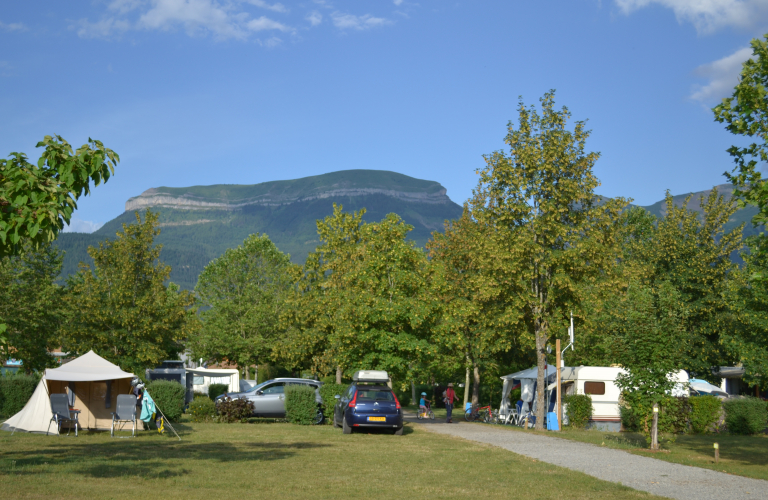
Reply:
x=203 y=377
x=95 y=384
x=527 y=380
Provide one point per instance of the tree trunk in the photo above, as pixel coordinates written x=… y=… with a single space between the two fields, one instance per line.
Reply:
x=338 y=375
x=466 y=388
x=476 y=386
x=541 y=378
x=413 y=393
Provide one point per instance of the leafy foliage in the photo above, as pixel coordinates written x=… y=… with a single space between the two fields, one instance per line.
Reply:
x=637 y=416
x=300 y=404
x=234 y=410
x=746 y=415
x=37 y=200
x=328 y=392
x=121 y=307
x=15 y=391
x=540 y=200
x=169 y=397
x=705 y=413
x=241 y=296
x=216 y=390
x=579 y=409
x=202 y=409
x=31 y=306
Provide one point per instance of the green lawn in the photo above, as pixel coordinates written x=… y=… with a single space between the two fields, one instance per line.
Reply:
x=278 y=460
x=740 y=455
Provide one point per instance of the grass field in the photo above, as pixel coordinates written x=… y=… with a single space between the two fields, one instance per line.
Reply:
x=278 y=460
x=740 y=455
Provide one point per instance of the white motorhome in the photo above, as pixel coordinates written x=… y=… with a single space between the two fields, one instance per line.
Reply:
x=600 y=383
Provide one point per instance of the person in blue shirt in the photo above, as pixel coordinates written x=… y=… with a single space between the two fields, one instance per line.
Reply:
x=423 y=403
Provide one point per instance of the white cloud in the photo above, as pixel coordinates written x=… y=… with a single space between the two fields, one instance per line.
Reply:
x=106 y=28
x=708 y=15
x=276 y=7
x=351 y=21
x=264 y=23
x=723 y=75
x=397 y=2
x=271 y=42
x=314 y=18
x=125 y=6
x=12 y=26
x=195 y=16
x=81 y=226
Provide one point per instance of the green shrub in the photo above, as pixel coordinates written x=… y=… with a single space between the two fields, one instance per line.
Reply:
x=579 y=409
x=216 y=390
x=705 y=412
x=234 y=410
x=328 y=393
x=745 y=415
x=300 y=404
x=202 y=409
x=15 y=391
x=637 y=414
x=169 y=397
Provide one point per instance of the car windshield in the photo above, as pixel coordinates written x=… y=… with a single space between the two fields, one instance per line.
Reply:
x=259 y=386
x=375 y=395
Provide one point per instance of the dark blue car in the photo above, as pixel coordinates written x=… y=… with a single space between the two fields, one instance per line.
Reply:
x=367 y=405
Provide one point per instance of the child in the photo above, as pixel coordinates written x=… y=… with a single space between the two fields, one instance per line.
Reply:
x=423 y=404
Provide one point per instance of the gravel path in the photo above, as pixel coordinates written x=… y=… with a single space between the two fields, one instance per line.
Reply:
x=641 y=473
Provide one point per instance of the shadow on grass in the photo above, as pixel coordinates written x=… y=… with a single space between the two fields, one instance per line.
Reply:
x=136 y=458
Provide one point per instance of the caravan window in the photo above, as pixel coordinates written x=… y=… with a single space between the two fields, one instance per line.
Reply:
x=596 y=388
x=198 y=380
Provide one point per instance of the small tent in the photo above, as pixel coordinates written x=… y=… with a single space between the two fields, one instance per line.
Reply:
x=527 y=380
x=92 y=384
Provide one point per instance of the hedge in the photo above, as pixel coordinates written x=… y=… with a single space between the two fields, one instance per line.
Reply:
x=328 y=393
x=202 y=409
x=705 y=413
x=300 y=404
x=637 y=415
x=234 y=410
x=216 y=390
x=745 y=415
x=15 y=391
x=579 y=409
x=169 y=397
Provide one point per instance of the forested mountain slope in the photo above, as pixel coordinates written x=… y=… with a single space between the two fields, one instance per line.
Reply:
x=199 y=223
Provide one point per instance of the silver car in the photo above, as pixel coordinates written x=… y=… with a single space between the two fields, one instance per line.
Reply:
x=268 y=398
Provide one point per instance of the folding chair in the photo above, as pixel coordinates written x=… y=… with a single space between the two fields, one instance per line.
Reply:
x=62 y=413
x=124 y=412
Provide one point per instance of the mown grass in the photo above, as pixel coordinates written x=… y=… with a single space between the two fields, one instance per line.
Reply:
x=740 y=455
x=278 y=460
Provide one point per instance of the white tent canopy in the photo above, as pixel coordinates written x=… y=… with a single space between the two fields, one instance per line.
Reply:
x=36 y=414
x=231 y=375
x=89 y=367
x=527 y=380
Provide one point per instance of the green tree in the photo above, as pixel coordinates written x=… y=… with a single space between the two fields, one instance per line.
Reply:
x=241 y=296
x=470 y=273
x=31 y=303
x=121 y=307
x=541 y=199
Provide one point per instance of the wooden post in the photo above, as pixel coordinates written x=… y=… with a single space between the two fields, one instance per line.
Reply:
x=717 y=452
x=559 y=408
x=655 y=429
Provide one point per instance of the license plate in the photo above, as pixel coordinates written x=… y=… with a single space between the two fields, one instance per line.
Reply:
x=377 y=419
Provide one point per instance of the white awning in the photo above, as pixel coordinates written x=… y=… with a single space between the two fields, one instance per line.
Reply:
x=89 y=367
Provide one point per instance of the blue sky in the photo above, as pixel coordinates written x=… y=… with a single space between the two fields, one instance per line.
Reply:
x=195 y=92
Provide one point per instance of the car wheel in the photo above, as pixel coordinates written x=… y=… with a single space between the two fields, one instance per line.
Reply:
x=345 y=426
x=399 y=432
x=319 y=418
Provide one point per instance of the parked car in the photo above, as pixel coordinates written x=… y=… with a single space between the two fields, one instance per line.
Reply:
x=269 y=397
x=368 y=403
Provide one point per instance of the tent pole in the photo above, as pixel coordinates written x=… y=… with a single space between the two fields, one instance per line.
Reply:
x=166 y=419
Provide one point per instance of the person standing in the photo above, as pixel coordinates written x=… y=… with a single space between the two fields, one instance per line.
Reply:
x=450 y=397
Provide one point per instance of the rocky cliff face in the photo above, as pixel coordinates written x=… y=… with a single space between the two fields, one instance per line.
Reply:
x=154 y=198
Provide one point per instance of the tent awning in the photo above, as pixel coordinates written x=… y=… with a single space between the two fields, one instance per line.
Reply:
x=529 y=373
x=89 y=367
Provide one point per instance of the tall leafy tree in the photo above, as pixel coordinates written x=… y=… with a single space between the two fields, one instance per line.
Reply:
x=541 y=198
x=121 y=308
x=30 y=300
x=470 y=280
x=241 y=296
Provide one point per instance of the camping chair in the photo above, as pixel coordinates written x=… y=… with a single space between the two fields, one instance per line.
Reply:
x=124 y=412
x=62 y=413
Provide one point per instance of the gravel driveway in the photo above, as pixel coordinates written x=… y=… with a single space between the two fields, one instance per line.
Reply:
x=641 y=473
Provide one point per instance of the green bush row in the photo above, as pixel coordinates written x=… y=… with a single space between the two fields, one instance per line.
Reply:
x=705 y=414
x=328 y=394
x=169 y=397
x=579 y=409
x=15 y=391
x=202 y=409
x=216 y=390
x=234 y=410
x=300 y=404
x=746 y=415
